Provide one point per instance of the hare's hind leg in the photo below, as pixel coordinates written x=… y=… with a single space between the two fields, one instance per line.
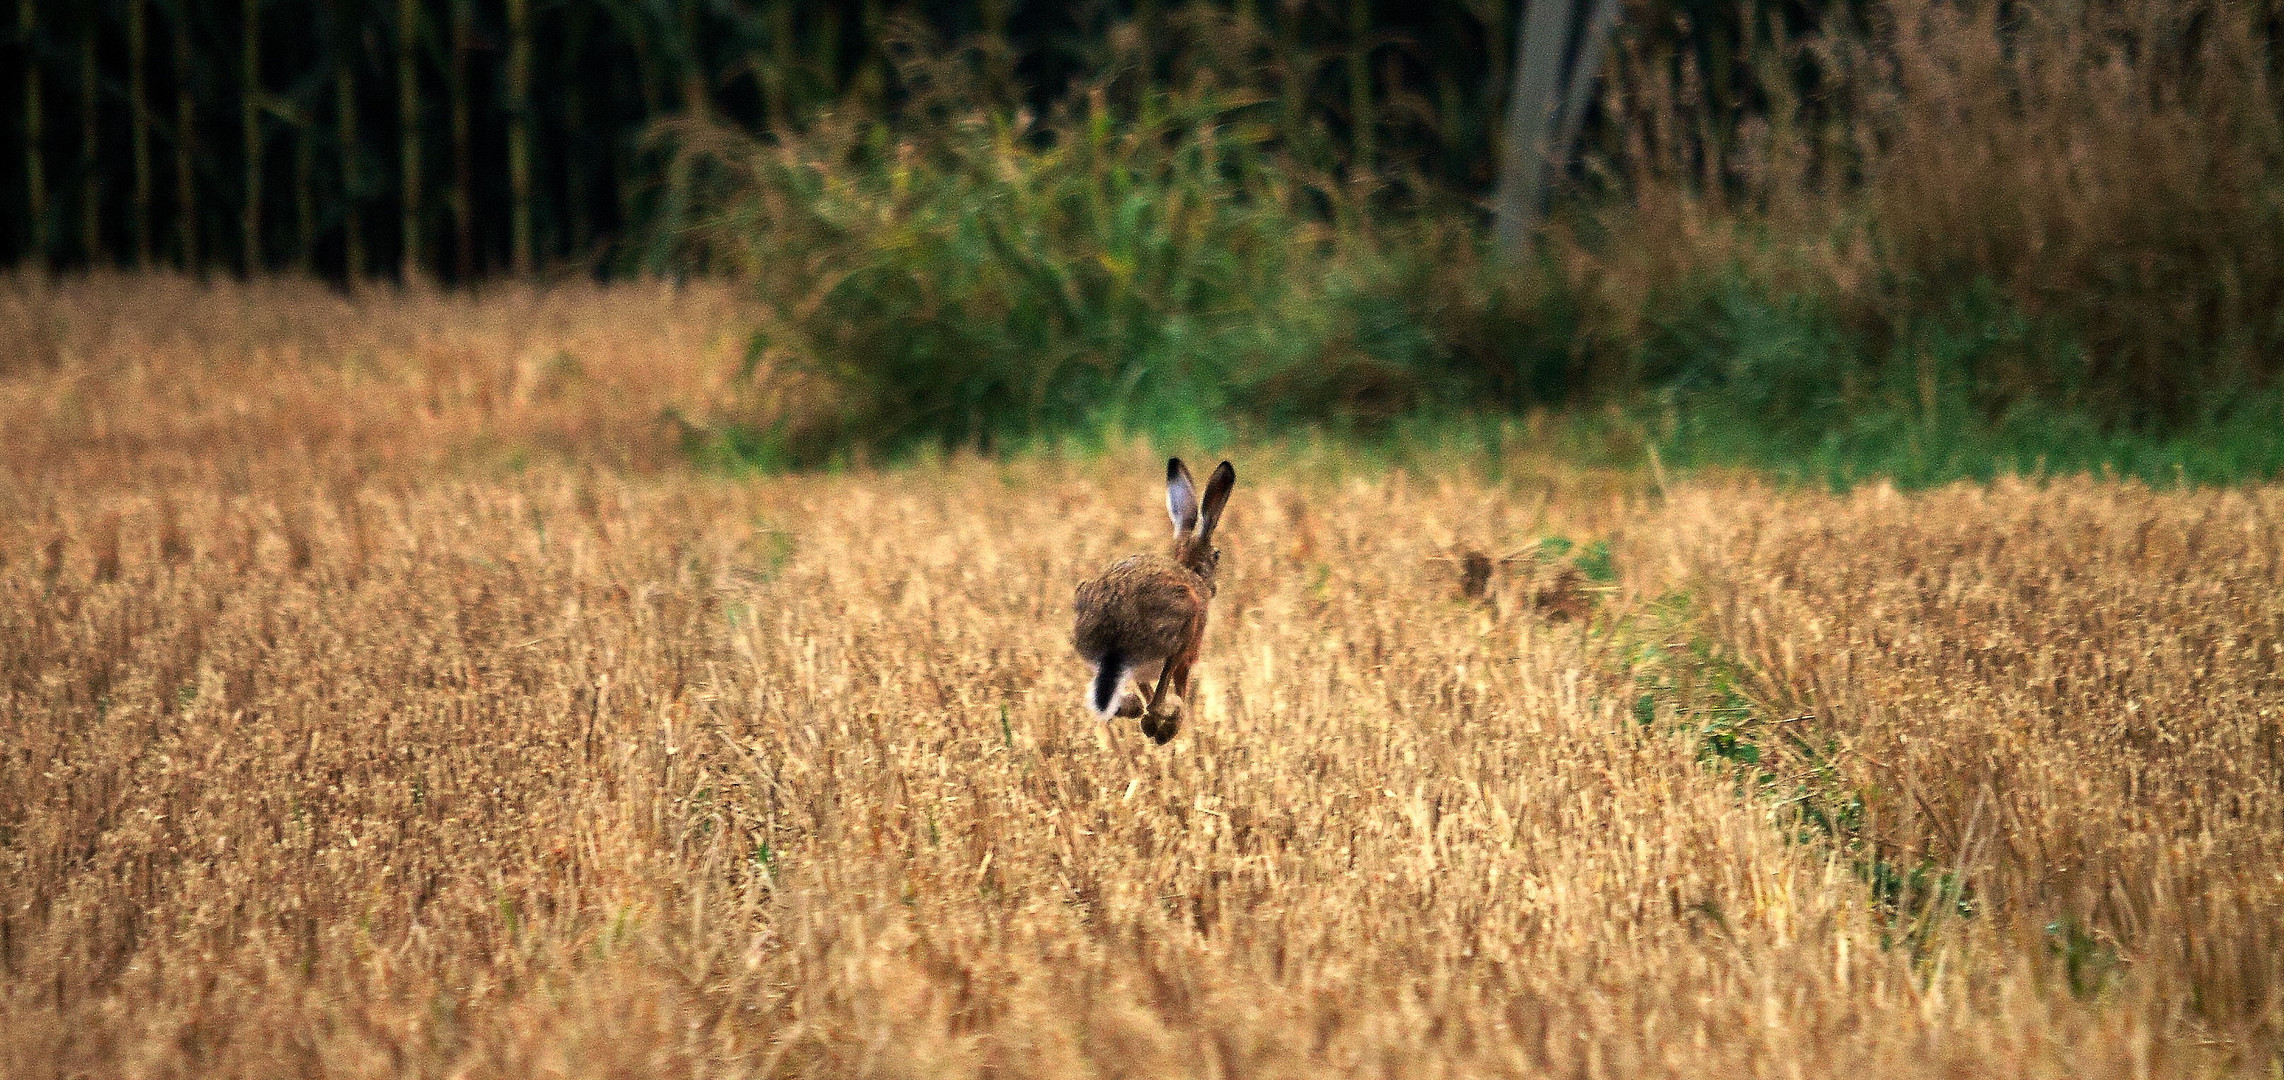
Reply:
x=1163 y=717
x=1174 y=688
x=1131 y=699
x=1166 y=704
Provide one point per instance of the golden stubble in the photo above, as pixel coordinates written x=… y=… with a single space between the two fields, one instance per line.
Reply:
x=400 y=763
x=2074 y=692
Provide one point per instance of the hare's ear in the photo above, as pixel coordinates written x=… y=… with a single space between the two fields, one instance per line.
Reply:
x=1181 y=497
x=1216 y=496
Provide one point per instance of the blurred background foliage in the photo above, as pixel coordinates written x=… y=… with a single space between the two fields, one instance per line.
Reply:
x=1837 y=237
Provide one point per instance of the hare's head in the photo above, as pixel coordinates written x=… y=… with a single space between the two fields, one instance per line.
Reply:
x=1193 y=521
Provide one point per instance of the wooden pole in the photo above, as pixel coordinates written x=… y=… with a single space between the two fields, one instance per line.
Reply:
x=462 y=199
x=305 y=192
x=577 y=194
x=250 y=121
x=345 y=130
x=519 y=134
x=139 y=119
x=1526 y=137
x=1601 y=19
x=90 y=158
x=1544 y=112
x=35 y=169
x=408 y=132
x=185 y=144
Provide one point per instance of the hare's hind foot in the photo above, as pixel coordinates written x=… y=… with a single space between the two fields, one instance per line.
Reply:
x=1164 y=719
x=1129 y=705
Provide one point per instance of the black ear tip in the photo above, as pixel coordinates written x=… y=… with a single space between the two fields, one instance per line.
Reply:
x=1173 y=468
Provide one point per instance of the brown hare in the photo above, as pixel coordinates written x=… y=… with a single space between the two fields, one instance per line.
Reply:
x=1144 y=618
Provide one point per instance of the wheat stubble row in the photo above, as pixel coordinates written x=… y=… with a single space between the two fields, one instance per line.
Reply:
x=2075 y=691
x=334 y=743
x=584 y=774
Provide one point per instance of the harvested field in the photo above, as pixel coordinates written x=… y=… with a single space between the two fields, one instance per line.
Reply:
x=406 y=715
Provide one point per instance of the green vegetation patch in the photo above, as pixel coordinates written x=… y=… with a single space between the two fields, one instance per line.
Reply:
x=1686 y=685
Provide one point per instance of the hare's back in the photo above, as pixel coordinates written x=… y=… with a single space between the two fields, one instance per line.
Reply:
x=1142 y=608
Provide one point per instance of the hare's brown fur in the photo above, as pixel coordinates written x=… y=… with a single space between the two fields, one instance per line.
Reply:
x=1147 y=603
x=1145 y=615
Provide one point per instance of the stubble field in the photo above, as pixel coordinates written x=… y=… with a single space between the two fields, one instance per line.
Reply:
x=381 y=695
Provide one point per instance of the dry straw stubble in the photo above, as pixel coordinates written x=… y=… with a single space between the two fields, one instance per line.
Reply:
x=2073 y=692
x=416 y=769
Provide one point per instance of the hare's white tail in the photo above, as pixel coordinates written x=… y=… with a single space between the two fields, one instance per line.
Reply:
x=1109 y=677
